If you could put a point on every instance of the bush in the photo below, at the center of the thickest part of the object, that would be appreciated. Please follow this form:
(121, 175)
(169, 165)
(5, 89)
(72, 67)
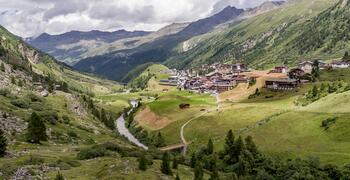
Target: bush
(5, 92)
(65, 119)
(326, 124)
(33, 97)
(72, 134)
(37, 106)
(34, 160)
(21, 103)
(49, 116)
(93, 152)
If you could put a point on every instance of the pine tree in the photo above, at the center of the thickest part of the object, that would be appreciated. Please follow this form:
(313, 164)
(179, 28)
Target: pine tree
(175, 163)
(165, 166)
(215, 174)
(198, 171)
(346, 56)
(143, 163)
(240, 147)
(64, 87)
(316, 69)
(210, 147)
(314, 92)
(251, 147)
(36, 129)
(103, 117)
(193, 160)
(2, 67)
(3, 144)
(59, 176)
(159, 142)
(13, 80)
(229, 148)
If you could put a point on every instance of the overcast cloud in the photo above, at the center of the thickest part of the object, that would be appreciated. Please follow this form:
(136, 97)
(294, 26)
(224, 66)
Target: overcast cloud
(32, 17)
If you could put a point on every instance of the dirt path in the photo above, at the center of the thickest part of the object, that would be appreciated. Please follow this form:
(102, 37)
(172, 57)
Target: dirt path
(183, 139)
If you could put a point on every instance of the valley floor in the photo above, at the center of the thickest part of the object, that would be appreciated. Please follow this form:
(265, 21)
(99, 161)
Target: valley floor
(277, 125)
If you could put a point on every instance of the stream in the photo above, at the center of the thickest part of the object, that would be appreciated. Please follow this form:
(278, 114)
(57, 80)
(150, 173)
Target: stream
(124, 131)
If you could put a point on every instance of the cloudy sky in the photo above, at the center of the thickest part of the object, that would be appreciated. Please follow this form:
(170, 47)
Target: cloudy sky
(32, 17)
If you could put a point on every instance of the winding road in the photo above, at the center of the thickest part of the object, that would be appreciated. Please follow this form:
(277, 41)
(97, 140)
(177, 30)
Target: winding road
(124, 131)
(183, 139)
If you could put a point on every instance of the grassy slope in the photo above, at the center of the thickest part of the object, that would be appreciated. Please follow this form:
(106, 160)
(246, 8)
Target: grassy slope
(62, 148)
(291, 131)
(228, 44)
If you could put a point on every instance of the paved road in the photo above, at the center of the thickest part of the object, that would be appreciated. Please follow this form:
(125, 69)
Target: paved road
(124, 131)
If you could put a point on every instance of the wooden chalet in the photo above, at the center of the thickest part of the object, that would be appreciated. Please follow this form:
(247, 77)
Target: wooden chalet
(283, 84)
(306, 66)
(280, 69)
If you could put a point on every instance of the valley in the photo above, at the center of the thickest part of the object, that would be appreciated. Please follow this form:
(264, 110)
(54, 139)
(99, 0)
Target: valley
(242, 93)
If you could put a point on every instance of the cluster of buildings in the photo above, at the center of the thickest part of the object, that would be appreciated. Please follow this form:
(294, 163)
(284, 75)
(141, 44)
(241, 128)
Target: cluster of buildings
(215, 78)
(218, 78)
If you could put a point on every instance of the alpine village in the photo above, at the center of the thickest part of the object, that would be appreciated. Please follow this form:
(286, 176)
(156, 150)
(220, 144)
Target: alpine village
(224, 90)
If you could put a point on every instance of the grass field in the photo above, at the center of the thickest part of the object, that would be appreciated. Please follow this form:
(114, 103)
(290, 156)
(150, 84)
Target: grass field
(278, 126)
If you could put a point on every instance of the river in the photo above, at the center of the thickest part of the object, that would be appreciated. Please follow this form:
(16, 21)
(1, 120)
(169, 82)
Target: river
(124, 131)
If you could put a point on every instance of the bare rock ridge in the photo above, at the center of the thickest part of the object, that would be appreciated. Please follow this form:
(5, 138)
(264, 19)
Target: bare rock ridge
(344, 3)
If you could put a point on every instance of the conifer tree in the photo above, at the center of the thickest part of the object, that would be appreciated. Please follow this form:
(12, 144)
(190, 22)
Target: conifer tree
(240, 147)
(165, 166)
(346, 56)
(198, 171)
(193, 160)
(143, 163)
(215, 174)
(13, 80)
(250, 145)
(175, 163)
(59, 176)
(314, 91)
(103, 117)
(36, 129)
(3, 144)
(159, 142)
(2, 67)
(210, 147)
(229, 148)
(315, 69)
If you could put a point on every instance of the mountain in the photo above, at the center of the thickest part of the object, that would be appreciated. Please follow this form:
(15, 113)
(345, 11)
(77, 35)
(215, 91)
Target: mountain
(271, 38)
(205, 25)
(69, 46)
(264, 7)
(115, 65)
(130, 43)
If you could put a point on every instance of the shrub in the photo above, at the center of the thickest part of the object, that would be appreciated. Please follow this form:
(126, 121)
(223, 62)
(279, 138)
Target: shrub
(93, 152)
(4, 92)
(326, 124)
(21, 103)
(34, 160)
(37, 106)
(65, 119)
(33, 97)
(72, 134)
(49, 116)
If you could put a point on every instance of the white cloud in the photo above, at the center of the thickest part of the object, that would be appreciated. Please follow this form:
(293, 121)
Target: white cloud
(32, 17)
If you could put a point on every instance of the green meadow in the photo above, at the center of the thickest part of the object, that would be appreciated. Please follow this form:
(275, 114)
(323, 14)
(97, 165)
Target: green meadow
(278, 126)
